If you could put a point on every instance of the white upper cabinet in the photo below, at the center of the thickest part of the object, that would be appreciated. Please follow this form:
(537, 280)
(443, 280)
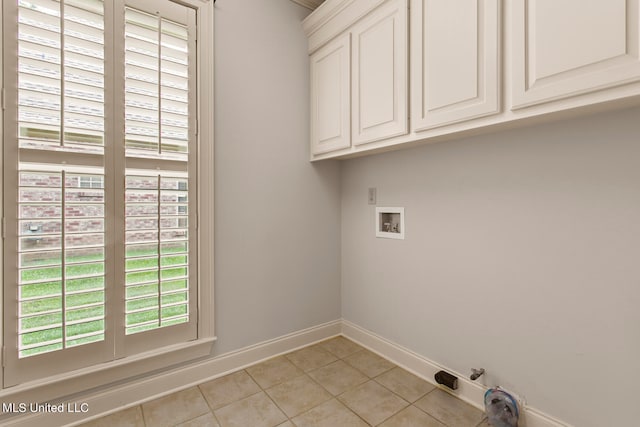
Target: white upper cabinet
(379, 74)
(455, 48)
(330, 97)
(375, 63)
(571, 47)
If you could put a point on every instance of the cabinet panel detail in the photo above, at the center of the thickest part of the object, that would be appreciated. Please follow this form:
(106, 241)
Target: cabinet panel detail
(375, 57)
(379, 78)
(454, 60)
(567, 48)
(330, 97)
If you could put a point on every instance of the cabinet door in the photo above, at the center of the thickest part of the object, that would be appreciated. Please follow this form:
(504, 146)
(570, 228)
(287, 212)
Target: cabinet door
(379, 102)
(454, 61)
(330, 97)
(569, 47)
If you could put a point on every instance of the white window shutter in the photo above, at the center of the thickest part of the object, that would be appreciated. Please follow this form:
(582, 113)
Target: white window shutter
(100, 180)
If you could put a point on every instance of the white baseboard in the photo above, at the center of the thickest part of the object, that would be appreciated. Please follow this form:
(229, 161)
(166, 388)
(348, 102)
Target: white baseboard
(126, 395)
(131, 394)
(468, 390)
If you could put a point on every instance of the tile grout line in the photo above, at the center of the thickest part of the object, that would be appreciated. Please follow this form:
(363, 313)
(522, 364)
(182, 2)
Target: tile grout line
(260, 387)
(264, 390)
(144, 419)
(336, 397)
(275, 403)
(332, 396)
(358, 349)
(369, 379)
(208, 406)
(306, 374)
(358, 385)
(409, 403)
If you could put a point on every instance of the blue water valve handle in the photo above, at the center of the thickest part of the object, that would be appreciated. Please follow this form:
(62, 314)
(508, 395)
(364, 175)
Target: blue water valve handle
(501, 408)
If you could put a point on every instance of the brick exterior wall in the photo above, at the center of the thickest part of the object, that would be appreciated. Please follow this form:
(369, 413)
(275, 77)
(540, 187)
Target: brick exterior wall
(84, 210)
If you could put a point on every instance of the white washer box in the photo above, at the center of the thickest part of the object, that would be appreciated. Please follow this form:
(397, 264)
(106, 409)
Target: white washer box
(390, 222)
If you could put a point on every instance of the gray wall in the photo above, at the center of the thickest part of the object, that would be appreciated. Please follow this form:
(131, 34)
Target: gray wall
(277, 216)
(521, 256)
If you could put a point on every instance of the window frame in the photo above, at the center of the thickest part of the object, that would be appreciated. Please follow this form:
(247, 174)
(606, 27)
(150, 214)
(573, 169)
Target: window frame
(127, 345)
(155, 358)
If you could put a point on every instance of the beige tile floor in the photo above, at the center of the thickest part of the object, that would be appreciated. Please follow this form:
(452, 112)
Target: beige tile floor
(335, 383)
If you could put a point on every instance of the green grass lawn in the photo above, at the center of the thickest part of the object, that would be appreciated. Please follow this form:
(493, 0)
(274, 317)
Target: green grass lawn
(84, 292)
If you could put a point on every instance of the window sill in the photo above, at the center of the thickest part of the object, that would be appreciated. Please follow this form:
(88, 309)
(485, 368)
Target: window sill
(69, 383)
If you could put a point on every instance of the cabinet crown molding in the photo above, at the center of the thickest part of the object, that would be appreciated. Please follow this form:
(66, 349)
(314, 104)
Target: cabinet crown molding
(333, 17)
(309, 4)
(320, 16)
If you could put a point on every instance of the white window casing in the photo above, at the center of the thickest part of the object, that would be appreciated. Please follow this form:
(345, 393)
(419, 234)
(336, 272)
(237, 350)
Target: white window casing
(108, 214)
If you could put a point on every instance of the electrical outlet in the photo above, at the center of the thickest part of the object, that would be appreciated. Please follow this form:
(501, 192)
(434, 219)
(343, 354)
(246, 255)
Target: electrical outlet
(372, 196)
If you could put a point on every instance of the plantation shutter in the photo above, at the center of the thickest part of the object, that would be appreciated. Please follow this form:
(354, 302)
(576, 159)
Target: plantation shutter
(99, 182)
(159, 115)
